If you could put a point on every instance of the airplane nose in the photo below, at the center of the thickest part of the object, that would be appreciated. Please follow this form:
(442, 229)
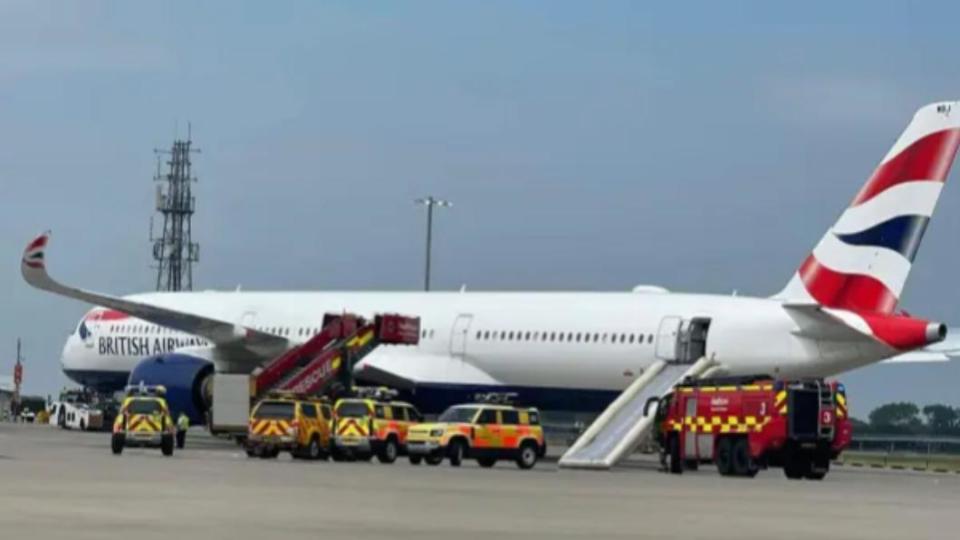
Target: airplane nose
(67, 357)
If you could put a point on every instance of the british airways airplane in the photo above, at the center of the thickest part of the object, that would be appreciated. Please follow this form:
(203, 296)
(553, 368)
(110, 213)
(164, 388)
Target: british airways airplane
(567, 351)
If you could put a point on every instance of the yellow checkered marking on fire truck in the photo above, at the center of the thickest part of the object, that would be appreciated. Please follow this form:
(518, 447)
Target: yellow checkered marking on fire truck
(841, 405)
(730, 424)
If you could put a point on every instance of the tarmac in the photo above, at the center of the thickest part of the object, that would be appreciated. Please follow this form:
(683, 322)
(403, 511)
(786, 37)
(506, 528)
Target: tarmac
(61, 484)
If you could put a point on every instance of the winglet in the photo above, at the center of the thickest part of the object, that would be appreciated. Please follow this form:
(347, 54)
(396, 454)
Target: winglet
(33, 265)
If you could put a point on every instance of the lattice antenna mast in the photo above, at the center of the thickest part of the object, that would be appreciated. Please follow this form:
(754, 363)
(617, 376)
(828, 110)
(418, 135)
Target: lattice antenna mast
(175, 251)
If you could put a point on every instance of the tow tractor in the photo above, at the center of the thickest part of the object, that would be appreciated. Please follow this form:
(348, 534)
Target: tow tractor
(748, 423)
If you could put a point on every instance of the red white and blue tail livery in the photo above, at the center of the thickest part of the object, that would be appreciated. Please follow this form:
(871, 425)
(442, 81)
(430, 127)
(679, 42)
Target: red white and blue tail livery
(861, 265)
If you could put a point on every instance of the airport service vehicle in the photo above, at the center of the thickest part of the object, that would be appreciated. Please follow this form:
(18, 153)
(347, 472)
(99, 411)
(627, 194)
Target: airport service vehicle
(144, 420)
(484, 431)
(76, 410)
(296, 424)
(579, 351)
(746, 424)
(374, 425)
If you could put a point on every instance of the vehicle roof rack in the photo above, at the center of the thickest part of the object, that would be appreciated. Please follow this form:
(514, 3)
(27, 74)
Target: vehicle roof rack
(496, 398)
(142, 389)
(379, 393)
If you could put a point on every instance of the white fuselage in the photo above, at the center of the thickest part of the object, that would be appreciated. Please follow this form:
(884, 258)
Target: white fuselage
(590, 341)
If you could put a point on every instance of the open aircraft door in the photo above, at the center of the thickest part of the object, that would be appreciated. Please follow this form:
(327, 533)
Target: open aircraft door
(666, 346)
(459, 335)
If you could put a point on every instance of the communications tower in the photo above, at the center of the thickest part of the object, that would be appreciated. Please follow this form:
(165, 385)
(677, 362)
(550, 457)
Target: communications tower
(174, 250)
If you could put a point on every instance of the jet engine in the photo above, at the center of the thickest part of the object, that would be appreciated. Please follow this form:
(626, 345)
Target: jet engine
(186, 378)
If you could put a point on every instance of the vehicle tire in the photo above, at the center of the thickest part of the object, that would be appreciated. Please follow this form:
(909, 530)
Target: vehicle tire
(674, 461)
(251, 452)
(434, 459)
(312, 452)
(415, 459)
(388, 453)
(527, 457)
(166, 445)
(456, 452)
(487, 462)
(116, 443)
(794, 464)
(817, 468)
(743, 463)
(725, 456)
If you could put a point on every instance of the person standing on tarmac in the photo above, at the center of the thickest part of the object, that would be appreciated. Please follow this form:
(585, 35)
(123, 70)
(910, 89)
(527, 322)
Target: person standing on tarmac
(183, 422)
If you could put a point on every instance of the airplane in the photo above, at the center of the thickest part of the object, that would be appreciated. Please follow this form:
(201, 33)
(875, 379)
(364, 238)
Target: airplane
(573, 351)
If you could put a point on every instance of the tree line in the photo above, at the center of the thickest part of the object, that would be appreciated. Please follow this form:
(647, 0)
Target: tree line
(903, 417)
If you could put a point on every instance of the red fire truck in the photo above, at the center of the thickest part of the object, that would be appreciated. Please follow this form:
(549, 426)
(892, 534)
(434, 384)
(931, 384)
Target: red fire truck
(747, 423)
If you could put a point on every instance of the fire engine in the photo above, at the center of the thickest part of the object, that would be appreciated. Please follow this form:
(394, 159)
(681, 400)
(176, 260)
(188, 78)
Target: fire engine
(745, 424)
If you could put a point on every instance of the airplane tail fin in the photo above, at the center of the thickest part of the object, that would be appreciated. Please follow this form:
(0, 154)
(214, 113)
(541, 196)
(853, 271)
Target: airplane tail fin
(862, 263)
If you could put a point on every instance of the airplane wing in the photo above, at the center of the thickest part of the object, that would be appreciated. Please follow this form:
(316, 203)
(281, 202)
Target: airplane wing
(223, 334)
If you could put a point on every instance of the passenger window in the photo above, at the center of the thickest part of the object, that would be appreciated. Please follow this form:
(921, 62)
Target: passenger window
(487, 416)
(379, 412)
(509, 417)
(534, 418)
(414, 415)
(309, 410)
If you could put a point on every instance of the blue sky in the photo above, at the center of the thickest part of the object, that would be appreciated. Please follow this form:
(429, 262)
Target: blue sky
(587, 145)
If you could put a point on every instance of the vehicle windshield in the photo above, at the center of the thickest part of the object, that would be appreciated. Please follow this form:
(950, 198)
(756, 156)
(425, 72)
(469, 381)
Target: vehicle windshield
(144, 406)
(352, 409)
(275, 409)
(458, 414)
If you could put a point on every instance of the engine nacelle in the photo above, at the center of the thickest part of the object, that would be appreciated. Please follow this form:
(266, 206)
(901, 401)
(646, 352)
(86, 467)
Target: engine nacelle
(186, 379)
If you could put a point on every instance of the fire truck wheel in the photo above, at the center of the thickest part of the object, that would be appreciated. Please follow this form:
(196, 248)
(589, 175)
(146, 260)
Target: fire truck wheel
(528, 455)
(116, 443)
(456, 452)
(166, 445)
(674, 461)
(388, 453)
(743, 464)
(415, 459)
(486, 462)
(794, 464)
(817, 468)
(725, 456)
(251, 452)
(434, 460)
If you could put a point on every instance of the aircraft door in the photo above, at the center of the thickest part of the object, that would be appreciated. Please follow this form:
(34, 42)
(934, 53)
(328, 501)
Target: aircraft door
(682, 341)
(666, 347)
(459, 334)
(249, 319)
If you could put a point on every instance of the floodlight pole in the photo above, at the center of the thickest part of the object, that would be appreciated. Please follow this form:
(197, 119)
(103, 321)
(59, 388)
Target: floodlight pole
(430, 202)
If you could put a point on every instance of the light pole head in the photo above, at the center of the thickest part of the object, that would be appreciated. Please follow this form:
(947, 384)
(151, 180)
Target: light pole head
(433, 201)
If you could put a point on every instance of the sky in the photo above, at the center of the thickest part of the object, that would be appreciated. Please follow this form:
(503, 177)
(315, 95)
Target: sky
(585, 146)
